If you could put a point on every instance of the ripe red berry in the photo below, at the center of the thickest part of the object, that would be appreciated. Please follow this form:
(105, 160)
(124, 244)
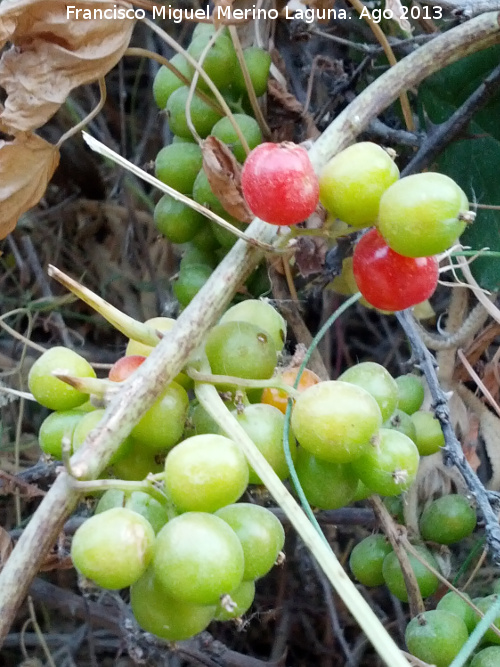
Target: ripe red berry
(389, 281)
(124, 367)
(279, 183)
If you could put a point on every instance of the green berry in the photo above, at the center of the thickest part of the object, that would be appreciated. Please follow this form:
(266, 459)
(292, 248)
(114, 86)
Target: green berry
(448, 519)
(178, 222)
(166, 81)
(436, 637)
(367, 559)
(51, 392)
(177, 165)
(249, 127)
(420, 215)
(203, 116)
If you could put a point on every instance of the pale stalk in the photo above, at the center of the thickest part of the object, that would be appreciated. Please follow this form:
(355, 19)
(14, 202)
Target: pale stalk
(354, 601)
(127, 325)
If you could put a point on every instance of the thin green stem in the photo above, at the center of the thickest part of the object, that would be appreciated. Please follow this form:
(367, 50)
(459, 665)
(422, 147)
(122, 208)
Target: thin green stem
(286, 429)
(477, 634)
(272, 383)
(473, 253)
(122, 485)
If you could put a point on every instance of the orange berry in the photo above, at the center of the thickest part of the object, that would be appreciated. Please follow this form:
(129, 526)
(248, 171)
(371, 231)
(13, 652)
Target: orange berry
(279, 398)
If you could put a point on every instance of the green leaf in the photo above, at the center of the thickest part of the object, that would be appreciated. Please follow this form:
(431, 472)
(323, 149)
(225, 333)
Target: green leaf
(474, 163)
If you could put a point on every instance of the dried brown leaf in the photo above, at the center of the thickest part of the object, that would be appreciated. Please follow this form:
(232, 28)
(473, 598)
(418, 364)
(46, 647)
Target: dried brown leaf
(310, 255)
(224, 175)
(5, 546)
(397, 11)
(311, 250)
(11, 482)
(26, 166)
(292, 108)
(54, 561)
(51, 54)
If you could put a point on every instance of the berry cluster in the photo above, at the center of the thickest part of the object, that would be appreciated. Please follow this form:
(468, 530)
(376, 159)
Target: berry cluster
(179, 164)
(415, 218)
(191, 553)
(434, 636)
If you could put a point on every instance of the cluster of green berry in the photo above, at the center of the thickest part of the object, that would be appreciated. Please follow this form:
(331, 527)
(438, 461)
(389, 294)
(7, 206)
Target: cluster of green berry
(180, 164)
(193, 554)
(415, 218)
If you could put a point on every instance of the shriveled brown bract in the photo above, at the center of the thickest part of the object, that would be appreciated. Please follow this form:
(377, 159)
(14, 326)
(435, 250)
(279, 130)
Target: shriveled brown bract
(224, 175)
(26, 166)
(50, 55)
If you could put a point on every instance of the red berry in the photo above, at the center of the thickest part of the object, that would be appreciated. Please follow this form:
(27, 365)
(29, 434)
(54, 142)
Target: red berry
(389, 281)
(124, 367)
(279, 183)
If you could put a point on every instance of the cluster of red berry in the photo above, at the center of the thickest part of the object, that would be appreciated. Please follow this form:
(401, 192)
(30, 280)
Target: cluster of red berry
(415, 218)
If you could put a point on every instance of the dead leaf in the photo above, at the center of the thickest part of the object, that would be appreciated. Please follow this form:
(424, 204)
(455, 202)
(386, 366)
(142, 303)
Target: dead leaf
(310, 255)
(51, 54)
(26, 166)
(397, 10)
(224, 175)
(292, 107)
(311, 250)
(54, 561)
(5, 546)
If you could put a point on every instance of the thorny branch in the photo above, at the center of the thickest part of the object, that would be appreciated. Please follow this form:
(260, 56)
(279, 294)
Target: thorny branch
(443, 134)
(452, 451)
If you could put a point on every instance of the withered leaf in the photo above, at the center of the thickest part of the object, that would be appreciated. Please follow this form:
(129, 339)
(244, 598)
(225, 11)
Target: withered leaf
(290, 104)
(54, 561)
(5, 546)
(26, 166)
(311, 250)
(310, 255)
(224, 175)
(51, 54)
(396, 9)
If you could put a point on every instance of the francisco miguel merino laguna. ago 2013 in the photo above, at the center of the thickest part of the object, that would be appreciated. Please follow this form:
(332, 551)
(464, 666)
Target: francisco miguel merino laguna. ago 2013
(177, 15)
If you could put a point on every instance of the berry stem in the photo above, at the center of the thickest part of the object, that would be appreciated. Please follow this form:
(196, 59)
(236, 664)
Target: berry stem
(200, 71)
(273, 383)
(194, 83)
(477, 634)
(85, 121)
(375, 631)
(144, 53)
(87, 385)
(286, 427)
(122, 485)
(266, 132)
(393, 534)
(100, 148)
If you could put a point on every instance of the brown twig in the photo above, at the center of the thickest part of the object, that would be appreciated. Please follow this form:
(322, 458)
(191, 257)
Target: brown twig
(396, 537)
